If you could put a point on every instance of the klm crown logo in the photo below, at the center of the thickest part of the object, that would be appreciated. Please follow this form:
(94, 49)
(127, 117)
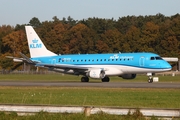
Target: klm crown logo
(35, 44)
(35, 41)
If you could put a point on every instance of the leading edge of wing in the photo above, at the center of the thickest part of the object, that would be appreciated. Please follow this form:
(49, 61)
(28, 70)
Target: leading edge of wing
(62, 66)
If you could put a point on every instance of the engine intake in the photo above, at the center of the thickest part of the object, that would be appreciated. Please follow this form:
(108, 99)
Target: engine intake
(96, 73)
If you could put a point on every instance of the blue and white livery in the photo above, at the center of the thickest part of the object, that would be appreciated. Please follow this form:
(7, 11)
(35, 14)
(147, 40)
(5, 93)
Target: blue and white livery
(99, 66)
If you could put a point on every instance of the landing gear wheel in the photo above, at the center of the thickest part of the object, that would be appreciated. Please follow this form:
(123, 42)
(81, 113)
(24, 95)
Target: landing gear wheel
(84, 79)
(150, 77)
(150, 80)
(105, 79)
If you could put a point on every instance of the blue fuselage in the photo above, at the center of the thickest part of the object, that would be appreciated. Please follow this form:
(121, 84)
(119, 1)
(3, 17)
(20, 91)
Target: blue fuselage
(125, 62)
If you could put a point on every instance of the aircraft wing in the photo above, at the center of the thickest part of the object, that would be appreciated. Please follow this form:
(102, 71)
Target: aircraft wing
(62, 66)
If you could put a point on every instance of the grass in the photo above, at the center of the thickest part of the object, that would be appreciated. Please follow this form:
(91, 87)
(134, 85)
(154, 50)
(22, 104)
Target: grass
(38, 77)
(74, 96)
(68, 96)
(62, 77)
(65, 116)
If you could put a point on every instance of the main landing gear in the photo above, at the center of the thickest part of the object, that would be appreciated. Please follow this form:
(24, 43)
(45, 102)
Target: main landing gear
(105, 79)
(150, 77)
(86, 79)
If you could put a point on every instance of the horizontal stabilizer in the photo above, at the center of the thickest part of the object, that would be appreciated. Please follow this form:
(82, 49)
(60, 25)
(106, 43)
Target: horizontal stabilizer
(16, 59)
(27, 59)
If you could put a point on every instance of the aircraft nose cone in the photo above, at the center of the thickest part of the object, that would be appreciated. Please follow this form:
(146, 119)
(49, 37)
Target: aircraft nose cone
(167, 66)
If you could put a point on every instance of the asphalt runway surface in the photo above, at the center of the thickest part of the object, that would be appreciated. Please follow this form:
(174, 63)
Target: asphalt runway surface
(92, 84)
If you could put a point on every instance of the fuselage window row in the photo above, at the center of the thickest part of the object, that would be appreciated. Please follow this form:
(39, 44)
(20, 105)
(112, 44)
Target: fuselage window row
(92, 60)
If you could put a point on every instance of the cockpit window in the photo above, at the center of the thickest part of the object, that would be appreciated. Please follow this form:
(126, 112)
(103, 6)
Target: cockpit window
(156, 58)
(152, 58)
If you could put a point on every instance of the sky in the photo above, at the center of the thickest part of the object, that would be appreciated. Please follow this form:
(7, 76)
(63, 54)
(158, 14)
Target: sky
(14, 12)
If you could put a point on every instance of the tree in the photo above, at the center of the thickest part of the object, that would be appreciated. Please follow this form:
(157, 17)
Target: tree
(5, 63)
(150, 36)
(133, 39)
(15, 42)
(71, 21)
(19, 27)
(113, 38)
(170, 43)
(100, 26)
(101, 47)
(81, 39)
(56, 38)
(35, 22)
(4, 30)
(55, 19)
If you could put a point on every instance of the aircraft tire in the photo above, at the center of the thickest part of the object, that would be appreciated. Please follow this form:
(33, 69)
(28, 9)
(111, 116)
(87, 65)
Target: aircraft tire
(84, 79)
(150, 80)
(105, 79)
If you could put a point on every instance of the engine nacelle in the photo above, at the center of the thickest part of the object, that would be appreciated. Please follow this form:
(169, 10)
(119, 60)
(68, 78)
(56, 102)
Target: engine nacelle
(96, 73)
(128, 76)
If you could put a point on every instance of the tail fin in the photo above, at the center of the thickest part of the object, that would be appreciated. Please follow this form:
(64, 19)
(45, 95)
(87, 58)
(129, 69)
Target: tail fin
(36, 46)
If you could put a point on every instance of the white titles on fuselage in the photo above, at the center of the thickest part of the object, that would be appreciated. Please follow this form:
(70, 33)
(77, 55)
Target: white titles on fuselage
(116, 56)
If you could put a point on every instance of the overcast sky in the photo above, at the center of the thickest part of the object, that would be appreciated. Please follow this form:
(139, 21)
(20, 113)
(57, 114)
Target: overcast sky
(14, 12)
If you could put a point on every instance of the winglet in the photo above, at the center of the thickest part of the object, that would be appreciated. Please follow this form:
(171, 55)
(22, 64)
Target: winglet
(36, 46)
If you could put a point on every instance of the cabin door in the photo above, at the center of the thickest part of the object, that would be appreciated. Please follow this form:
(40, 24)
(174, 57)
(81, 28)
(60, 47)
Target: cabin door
(141, 61)
(53, 61)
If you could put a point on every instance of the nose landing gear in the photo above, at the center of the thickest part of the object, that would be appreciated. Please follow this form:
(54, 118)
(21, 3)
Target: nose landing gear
(150, 77)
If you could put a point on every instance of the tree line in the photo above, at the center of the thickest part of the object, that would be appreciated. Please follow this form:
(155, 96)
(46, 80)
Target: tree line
(154, 33)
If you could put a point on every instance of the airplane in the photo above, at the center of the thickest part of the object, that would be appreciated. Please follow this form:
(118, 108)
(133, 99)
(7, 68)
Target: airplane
(97, 66)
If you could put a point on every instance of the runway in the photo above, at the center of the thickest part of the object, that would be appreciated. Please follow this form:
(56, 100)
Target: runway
(91, 84)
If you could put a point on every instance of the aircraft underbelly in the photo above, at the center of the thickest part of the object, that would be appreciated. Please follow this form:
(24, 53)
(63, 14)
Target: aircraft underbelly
(128, 69)
(113, 71)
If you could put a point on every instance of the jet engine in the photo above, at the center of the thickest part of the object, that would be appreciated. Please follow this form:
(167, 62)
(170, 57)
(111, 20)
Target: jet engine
(96, 73)
(128, 76)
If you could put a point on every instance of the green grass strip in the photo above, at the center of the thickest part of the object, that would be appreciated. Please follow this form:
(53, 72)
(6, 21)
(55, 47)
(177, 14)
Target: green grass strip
(62, 77)
(74, 96)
